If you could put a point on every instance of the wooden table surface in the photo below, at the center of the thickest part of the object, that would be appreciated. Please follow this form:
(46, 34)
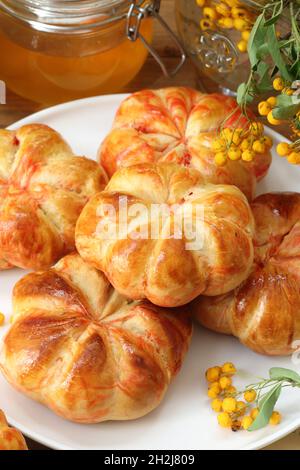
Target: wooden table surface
(150, 76)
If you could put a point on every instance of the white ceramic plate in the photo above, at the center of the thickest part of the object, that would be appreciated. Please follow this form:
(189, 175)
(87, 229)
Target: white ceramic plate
(184, 419)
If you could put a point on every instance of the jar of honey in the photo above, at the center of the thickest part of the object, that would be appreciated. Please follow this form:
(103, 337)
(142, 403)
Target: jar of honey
(59, 50)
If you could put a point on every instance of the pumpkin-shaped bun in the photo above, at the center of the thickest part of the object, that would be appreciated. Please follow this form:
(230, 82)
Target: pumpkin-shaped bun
(85, 351)
(264, 311)
(178, 124)
(43, 188)
(149, 257)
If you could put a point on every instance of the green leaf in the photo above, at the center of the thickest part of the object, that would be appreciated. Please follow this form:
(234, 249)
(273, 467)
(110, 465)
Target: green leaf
(275, 53)
(275, 16)
(279, 373)
(242, 94)
(266, 407)
(264, 83)
(286, 106)
(257, 38)
(263, 51)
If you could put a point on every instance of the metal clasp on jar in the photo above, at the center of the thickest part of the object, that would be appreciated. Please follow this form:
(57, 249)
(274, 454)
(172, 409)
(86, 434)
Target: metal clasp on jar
(137, 12)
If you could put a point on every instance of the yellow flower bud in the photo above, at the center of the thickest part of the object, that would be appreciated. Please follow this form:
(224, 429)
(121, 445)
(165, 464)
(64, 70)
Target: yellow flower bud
(264, 108)
(242, 45)
(246, 144)
(234, 154)
(272, 120)
(287, 91)
(224, 420)
(278, 84)
(226, 23)
(236, 136)
(258, 146)
(294, 158)
(246, 35)
(2, 319)
(256, 128)
(223, 9)
(231, 390)
(228, 368)
(268, 141)
(246, 422)
(214, 391)
(241, 407)
(206, 24)
(250, 395)
(254, 413)
(213, 374)
(283, 149)
(220, 158)
(272, 101)
(210, 13)
(226, 134)
(219, 145)
(275, 418)
(239, 12)
(229, 405)
(240, 24)
(248, 155)
(225, 382)
(216, 405)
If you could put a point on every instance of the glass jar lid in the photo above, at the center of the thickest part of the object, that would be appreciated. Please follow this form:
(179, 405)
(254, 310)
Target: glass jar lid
(85, 16)
(67, 15)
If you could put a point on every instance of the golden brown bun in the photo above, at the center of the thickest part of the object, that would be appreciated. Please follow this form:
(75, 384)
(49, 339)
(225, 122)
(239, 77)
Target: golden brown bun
(10, 438)
(264, 312)
(87, 352)
(43, 188)
(163, 269)
(178, 124)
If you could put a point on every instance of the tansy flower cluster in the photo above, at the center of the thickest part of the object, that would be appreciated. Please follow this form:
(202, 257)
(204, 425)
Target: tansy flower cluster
(227, 14)
(265, 108)
(241, 143)
(232, 412)
(290, 152)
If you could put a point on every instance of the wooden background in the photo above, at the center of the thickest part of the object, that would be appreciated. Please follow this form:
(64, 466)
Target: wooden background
(150, 76)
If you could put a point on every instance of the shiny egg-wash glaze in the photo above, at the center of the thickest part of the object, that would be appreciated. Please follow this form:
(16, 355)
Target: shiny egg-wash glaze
(10, 438)
(264, 312)
(179, 124)
(88, 353)
(43, 188)
(164, 269)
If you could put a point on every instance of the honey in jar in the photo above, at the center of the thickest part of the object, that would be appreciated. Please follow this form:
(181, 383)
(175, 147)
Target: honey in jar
(54, 51)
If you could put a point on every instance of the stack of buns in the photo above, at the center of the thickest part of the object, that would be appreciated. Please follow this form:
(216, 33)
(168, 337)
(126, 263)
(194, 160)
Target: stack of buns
(100, 334)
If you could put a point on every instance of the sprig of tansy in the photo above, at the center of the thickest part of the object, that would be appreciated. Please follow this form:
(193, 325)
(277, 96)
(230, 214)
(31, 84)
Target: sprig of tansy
(256, 410)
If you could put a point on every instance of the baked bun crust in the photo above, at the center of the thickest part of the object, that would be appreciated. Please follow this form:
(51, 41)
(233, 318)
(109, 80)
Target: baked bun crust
(264, 311)
(158, 265)
(43, 188)
(88, 353)
(178, 124)
(10, 438)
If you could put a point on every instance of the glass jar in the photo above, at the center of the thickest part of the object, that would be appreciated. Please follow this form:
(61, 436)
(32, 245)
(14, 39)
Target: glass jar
(59, 50)
(216, 43)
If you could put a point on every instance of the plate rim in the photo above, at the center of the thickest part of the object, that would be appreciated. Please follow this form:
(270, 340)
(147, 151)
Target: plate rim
(63, 107)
